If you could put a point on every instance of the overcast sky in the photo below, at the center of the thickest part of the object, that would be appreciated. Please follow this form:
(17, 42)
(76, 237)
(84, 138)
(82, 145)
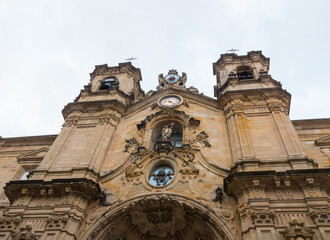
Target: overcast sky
(48, 49)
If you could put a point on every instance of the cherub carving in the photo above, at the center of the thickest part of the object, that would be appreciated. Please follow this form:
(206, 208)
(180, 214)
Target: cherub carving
(201, 136)
(201, 141)
(131, 146)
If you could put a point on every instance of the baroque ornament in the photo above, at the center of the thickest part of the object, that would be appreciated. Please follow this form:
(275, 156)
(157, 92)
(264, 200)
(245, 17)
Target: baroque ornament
(172, 79)
(131, 146)
(26, 233)
(158, 216)
(297, 230)
(200, 141)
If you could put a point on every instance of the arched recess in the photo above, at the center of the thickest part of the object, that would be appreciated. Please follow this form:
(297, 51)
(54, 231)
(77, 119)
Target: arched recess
(152, 126)
(177, 130)
(159, 217)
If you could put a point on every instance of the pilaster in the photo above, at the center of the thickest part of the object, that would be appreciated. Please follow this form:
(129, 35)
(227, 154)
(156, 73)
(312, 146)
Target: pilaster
(82, 144)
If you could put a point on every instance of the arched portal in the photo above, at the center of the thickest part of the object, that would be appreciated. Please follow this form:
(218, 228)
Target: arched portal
(159, 217)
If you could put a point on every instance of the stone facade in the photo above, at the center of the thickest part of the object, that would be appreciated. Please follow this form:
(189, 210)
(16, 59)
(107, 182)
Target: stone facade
(171, 164)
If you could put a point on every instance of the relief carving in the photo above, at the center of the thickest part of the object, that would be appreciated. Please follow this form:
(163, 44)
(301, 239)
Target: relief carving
(297, 231)
(88, 117)
(201, 141)
(283, 188)
(131, 146)
(259, 217)
(182, 186)
(9, 223)
(243, 210)
(262, 217)
(225, 210)
(257, 191)
(57, 221)
(179, 83)
(185, 155)
(311, 189)
(157, 217)
(321, 217)
(26, 233)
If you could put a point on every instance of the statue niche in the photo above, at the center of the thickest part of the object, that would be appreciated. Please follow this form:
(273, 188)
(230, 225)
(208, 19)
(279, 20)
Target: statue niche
(167, 132)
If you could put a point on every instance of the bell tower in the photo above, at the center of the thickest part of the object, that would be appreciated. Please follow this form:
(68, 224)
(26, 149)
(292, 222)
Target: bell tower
(253, 102)
(119, 82)
(90, 122)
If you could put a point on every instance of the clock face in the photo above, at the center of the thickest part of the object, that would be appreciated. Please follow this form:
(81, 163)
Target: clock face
(170, 101)
(172, 78)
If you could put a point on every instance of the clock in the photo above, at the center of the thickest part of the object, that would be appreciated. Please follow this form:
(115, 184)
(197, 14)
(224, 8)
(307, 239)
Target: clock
(172, 78)
(170, 101)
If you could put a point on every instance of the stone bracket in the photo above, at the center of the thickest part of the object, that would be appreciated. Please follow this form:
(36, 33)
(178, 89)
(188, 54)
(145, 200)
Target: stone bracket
(82, 187)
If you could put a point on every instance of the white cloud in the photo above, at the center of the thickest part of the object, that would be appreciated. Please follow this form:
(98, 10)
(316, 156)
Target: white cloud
(48, 49)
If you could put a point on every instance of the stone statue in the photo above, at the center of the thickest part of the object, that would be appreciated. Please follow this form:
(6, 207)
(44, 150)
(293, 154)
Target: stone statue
(167, 132)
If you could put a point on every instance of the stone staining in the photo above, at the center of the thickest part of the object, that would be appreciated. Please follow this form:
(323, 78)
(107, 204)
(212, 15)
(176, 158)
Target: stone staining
(172, 164)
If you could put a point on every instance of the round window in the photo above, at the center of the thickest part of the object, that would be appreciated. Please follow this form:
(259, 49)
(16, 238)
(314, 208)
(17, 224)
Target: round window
(161, 175)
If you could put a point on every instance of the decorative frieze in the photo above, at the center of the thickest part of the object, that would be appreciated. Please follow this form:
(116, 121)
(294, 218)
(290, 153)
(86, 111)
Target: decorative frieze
(262, 217)
(57, 221)
(308, 180)
(18, 190)
(81, 119)
(259, 216)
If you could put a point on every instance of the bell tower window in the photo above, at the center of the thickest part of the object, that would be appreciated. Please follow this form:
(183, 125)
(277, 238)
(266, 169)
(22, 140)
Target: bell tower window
(108, 83)
(244, 72)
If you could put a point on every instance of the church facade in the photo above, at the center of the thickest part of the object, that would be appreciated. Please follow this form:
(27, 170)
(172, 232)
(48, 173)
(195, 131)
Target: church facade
(171, 164)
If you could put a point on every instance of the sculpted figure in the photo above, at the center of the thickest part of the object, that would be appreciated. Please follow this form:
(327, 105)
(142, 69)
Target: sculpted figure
(131, 146)
(201, 136)
(167, 131)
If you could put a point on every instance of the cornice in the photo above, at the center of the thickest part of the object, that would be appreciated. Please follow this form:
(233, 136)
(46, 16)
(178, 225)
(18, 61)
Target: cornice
(82, 187)
(186, 94)
(112, 91)
(235, 183)
(105, 69)
(28, 140)
(267, 93)
(317, 123)
(232, 57)
(93, 106)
